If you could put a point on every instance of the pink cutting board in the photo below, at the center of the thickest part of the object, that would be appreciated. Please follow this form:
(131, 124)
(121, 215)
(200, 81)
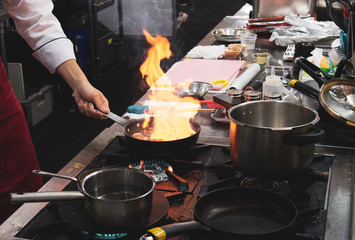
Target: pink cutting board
(203, 70)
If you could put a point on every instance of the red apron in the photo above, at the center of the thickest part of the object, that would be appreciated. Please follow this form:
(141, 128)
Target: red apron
(17, 154)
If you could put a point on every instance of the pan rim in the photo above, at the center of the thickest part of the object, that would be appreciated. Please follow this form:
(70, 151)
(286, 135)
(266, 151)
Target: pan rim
(192, 121)
(236, 108)
(84, 180)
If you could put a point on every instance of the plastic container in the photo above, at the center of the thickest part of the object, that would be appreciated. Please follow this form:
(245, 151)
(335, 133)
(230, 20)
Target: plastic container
(262, 59)
(248, 40)
(38, 106)
(233, 53)
(272, 88)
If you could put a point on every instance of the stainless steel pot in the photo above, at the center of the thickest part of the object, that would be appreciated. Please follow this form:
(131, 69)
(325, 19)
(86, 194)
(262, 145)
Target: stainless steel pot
(272, 139)
(114, 197)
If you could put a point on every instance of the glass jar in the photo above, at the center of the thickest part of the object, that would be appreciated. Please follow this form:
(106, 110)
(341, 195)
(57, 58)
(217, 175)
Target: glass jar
(252, 95)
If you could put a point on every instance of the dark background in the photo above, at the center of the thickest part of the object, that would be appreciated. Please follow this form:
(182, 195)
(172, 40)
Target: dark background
(64, 133)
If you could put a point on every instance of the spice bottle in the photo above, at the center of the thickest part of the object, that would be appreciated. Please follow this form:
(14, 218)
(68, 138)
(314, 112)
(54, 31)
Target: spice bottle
(251, 95)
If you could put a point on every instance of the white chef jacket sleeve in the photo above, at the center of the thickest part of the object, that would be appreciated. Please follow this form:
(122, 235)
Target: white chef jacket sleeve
(41, 30)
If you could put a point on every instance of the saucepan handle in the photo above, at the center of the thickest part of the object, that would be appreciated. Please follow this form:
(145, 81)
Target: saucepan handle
(38, 172)
(170, 230)
(23, 197)
(313, 135)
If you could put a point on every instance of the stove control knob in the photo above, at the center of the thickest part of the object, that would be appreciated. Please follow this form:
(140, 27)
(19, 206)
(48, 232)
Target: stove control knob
(146, 237)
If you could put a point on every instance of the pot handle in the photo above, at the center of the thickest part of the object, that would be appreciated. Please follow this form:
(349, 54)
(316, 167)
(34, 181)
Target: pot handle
(313, 135)
(23, 197)
(305, 89)
(314, 71)
(163, 232)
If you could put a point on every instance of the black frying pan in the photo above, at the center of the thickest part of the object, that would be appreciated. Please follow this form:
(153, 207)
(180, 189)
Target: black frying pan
(159, 148)
(238, 213)
(150, 147)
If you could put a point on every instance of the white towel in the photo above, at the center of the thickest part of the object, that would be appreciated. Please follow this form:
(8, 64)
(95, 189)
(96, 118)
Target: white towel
(206, 52)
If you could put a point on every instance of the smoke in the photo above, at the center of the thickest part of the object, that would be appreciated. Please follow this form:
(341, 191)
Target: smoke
(156, 16)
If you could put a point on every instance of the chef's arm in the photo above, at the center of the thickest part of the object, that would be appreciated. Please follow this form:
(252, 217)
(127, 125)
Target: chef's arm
(86, 96)
(42, 31)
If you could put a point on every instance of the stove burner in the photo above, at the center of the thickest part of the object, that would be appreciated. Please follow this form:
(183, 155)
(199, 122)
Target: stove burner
(107, 236)
(156, 168)
(281, 187)
(74, 214)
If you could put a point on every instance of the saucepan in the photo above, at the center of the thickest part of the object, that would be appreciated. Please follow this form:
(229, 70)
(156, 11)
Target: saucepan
(114, 197)
(237, 213)
(138, 137)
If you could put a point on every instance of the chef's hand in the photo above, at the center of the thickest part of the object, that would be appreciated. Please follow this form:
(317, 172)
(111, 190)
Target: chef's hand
(86, 96)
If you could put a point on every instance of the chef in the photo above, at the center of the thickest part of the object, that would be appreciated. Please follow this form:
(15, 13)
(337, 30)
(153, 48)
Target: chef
(42, 31)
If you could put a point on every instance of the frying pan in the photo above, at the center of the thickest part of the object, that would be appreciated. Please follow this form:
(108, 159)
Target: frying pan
(237, 213)
(113, 197)
(336, 96)
(154, 148)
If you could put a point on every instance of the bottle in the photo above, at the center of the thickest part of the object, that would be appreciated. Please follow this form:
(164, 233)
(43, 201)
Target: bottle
(272, 87)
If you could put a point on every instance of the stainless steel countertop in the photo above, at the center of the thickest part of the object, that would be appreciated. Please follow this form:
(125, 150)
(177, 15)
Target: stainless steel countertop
(340, 208)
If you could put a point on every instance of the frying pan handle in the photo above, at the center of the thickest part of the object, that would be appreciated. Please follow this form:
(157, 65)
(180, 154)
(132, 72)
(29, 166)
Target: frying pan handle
(23, 197)
(138, 109)
(163, 232)
(305, 89)
(120, 120)
(311, 136)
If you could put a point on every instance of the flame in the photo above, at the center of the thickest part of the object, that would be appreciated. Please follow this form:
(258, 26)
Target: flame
(141, 163)
(170, 122)
(170, 168)
(160, 49)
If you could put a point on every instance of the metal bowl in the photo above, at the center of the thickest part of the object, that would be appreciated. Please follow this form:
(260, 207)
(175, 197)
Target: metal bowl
(228, 34)
(193, 89)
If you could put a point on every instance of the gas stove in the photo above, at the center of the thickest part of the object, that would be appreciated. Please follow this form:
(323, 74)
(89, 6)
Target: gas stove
(181, 180)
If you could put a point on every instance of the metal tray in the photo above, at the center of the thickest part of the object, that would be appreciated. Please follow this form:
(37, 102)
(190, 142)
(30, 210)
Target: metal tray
(228, 34)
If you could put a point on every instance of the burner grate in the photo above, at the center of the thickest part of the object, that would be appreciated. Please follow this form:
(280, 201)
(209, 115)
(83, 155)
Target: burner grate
(196, 172)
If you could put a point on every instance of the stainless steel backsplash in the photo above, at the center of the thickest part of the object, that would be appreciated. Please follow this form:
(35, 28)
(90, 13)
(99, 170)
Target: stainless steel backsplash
(271, 8)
